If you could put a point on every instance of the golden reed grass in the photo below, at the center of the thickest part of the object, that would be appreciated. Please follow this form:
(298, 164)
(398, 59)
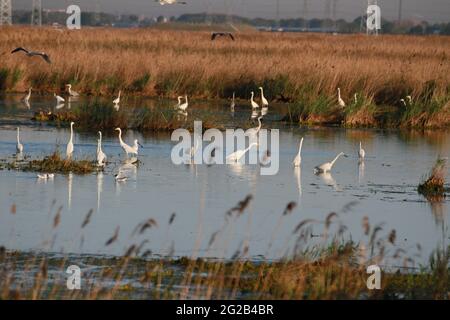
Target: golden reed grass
(169, 63)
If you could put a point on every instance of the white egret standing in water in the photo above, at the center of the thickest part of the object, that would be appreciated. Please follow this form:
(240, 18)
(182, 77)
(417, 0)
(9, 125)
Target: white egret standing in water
(236, 156)
(326, 167)
(361, 152)
(233, 103)
(69, 149)
(101, 156)
(19, 147)
(27, 97)
(254, 104)
(340, 100)
(298, 158)
(264, 101)
(128, 149)
(179, 101)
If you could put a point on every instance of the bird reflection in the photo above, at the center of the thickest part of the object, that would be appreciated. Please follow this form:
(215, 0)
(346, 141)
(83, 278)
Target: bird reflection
(69, 190)
(361, 169)
(298, 175)
(329, 180)
(69, 102)
(264, 111)
(59, 106)
(255, 114)
(99, 189)
(182, 115)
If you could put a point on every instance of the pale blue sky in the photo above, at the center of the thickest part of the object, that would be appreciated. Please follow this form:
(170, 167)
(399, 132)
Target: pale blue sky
(431, 10)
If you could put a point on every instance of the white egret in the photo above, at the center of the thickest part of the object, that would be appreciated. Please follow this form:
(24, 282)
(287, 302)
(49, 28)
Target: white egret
(101, 156)
(120, 176)
(117, 100)
(264, 101)
(27, 97)
(326, 167)
(69, 150)
(298, 158)
(254, 104)
(59, 99)
(128, 150)
(255, 131)
(236, 156)
(340, 100)
(46, 176)
(19, 147)
(179, 102)
(184, 106)
(403, 102)
(233, 103)
(355, 97)
(71, 92)
(361, 152)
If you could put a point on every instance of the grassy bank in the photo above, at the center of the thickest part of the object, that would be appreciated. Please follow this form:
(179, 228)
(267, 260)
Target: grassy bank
(304, 69)
(332, 268)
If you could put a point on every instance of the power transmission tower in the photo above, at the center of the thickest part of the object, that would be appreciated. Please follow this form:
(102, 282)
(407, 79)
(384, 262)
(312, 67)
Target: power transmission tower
(278, 14)
(36, 13)
(5, 12)
(327, 16)
(368, 31)
(305, 15)
(400, 9)
(334, 15)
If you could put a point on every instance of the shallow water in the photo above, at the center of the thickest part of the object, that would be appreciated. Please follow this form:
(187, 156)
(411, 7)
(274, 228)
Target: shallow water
(384, 190)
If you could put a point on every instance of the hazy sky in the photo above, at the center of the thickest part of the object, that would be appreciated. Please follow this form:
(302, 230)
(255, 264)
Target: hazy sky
(431, 10)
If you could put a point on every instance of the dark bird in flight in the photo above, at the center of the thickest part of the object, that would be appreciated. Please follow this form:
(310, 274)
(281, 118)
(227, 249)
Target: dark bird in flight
(33, 53)
(214, 35)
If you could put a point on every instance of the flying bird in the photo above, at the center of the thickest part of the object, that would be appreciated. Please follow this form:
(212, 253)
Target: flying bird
(214, 35)
(163, 2)
(28, 53)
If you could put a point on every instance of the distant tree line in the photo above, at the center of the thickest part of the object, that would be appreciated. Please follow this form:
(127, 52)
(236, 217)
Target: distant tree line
(299, 24)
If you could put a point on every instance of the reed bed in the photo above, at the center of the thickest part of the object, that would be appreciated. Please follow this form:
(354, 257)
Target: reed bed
(335, 268)
(304, 69)
(433, 186)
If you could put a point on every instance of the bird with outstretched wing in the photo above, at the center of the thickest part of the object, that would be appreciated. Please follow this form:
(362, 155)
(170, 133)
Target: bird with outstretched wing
(29, 53)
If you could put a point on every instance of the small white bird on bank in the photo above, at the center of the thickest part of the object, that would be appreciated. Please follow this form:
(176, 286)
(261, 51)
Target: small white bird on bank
(340, 100)
(236, 156)
(120, 177)
(59, 100)
(185, 105)
(134, 150)
(326, 167)
(164, 2)
(298, 158)
(71, 92)
(69, 149)
(101, 156)
(264, 101)
(361, 152)
(254, 104)
(19, 146)
(117, 100)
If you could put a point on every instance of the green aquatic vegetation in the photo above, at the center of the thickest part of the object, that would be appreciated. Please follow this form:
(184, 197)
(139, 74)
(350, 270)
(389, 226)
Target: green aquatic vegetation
(54, 163)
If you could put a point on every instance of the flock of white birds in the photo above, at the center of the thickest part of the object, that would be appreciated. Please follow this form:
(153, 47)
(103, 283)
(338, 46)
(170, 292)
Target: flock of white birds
(182, 107)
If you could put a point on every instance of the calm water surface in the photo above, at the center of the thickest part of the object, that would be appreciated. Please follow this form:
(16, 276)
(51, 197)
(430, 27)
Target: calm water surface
(383, 189)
